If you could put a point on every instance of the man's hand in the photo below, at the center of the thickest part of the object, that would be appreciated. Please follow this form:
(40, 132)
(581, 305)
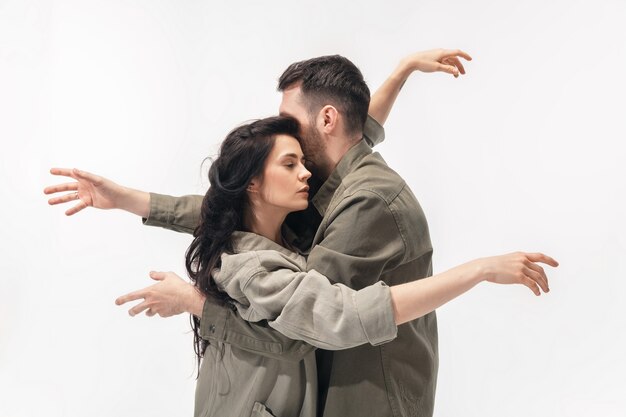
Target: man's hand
(436, 60)
(91, 190)
(169, 297)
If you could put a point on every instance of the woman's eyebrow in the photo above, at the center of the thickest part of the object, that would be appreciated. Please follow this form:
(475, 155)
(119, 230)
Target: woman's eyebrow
(291, 155)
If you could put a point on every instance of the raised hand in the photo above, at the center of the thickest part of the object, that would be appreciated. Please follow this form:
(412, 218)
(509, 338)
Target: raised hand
(437, 60)
(170, 296)
(92, 190)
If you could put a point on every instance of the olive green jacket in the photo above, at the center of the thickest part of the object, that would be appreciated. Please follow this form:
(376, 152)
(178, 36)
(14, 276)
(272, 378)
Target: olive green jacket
(262, 277)
(363, 225)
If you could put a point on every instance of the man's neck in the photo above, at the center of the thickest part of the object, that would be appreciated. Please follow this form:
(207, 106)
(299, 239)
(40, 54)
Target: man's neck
(334, 154)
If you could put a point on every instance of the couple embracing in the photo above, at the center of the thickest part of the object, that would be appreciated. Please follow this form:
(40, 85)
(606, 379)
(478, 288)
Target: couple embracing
(312, 291)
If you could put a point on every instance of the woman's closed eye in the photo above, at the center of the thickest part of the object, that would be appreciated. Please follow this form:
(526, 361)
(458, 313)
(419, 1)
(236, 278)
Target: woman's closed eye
(291, 161)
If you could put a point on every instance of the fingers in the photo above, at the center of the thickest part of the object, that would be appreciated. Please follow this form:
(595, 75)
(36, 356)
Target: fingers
(67, 198)
(88, 176)
(540, 257)
(66, 172)
(76, 174)
(450, 57)
(68, 186)
(450, 69)
(538, 278)
(463, 54)
(64, 198)
(131, 296)
(456, 62)
(159, 276)
(78, 207)
(143, 294)
(139, 308)
(455, 53)
(538, 269)
(532, 285)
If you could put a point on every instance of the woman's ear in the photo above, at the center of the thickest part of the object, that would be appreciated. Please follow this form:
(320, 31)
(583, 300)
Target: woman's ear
(253, 187)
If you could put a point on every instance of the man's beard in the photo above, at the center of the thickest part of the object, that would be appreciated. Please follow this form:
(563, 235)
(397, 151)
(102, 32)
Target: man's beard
(314, 152)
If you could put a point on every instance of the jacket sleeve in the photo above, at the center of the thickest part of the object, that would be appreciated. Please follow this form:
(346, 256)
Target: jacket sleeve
(373, 132)
(306, 305)
(354, 259)
(222, 323)
(181, 214)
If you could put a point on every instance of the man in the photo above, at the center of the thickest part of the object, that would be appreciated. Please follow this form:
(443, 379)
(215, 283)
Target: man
(363, 225)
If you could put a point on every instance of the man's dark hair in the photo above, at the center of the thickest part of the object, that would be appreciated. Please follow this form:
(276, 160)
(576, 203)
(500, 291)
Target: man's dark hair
(333, 80)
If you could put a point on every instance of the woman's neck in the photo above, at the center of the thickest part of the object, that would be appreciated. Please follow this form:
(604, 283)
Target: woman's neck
(265, 222)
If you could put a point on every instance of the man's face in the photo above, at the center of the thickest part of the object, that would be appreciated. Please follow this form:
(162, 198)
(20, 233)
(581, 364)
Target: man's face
(293, 105)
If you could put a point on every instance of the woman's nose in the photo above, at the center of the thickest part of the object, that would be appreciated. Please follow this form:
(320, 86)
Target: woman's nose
(305, 174)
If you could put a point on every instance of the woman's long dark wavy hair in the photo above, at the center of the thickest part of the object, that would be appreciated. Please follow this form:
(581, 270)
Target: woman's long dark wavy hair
(241, 158)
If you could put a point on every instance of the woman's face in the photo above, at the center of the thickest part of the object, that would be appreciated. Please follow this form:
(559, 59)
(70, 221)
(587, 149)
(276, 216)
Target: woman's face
(283, 184)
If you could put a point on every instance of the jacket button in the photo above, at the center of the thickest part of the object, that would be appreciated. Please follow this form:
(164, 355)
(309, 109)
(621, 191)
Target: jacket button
(212, 328)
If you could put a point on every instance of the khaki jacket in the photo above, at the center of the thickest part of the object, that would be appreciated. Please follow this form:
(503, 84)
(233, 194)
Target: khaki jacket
(363, 225)
(262, 277)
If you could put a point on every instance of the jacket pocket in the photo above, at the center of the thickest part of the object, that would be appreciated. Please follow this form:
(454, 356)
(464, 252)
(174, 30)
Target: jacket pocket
(260, 410)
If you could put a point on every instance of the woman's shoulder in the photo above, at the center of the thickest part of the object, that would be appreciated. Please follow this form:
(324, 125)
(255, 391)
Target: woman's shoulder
(253, 253)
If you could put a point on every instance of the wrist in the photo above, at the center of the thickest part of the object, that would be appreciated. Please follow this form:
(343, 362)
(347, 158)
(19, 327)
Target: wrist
(403, 70)
(134, 201)
(195, 301)
(480, 270)
(475, 272)
(124, 198)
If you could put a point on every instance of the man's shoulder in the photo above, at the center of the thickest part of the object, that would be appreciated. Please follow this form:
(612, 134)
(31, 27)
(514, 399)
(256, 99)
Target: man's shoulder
(374, 186)
(371, 175)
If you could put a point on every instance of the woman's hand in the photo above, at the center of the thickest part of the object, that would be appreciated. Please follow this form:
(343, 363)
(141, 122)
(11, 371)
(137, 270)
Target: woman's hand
(517, 268)
(91, 190)
(170, 296)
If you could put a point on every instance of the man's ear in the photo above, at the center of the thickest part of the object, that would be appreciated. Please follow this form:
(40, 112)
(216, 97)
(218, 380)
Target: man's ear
(329, 118)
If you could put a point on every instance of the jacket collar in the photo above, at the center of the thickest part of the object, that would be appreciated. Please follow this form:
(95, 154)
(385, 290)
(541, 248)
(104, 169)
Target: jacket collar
(324, 195)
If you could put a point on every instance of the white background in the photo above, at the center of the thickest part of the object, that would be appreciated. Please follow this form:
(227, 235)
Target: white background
(525, 152)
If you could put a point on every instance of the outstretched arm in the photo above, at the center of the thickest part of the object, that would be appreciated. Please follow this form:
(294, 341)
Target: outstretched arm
(306, 306)
(418, 298)
(180, 214)
(321, 313)
(435, 60)
(90, 190)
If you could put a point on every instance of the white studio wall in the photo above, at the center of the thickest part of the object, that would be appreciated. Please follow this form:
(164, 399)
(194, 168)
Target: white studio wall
(523, 153)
